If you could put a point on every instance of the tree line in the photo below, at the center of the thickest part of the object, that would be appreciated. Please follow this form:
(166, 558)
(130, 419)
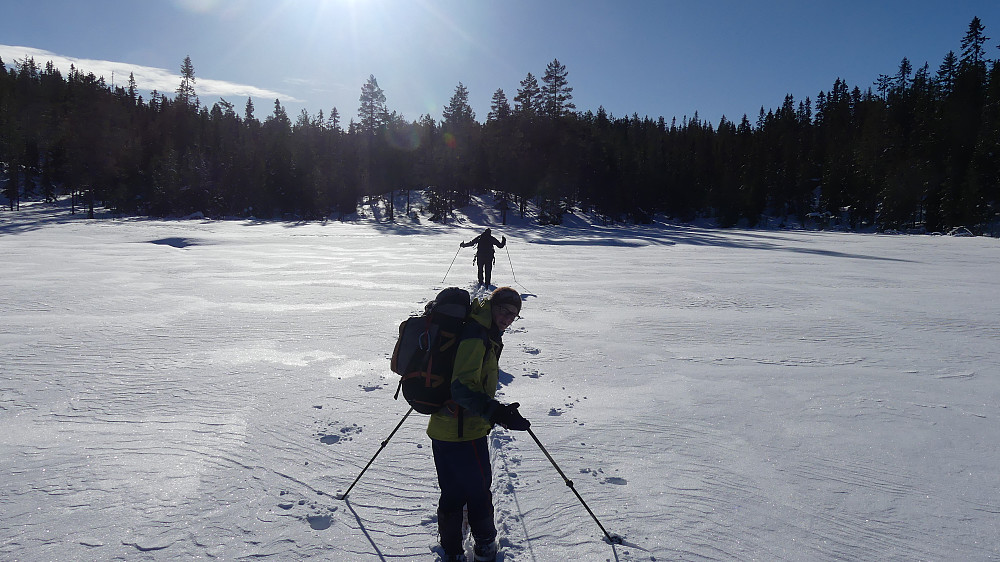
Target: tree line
(918, 149)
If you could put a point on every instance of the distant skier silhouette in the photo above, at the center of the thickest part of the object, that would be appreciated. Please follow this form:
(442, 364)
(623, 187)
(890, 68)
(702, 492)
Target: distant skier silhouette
(485, 255)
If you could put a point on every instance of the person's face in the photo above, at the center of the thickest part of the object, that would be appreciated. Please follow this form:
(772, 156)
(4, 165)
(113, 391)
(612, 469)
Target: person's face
(504, 315)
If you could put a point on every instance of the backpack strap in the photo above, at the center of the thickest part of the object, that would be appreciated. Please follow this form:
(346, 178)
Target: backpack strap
(471, 330)
(457, 412)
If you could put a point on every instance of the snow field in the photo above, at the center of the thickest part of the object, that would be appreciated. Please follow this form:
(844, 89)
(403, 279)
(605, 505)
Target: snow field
(175, 390)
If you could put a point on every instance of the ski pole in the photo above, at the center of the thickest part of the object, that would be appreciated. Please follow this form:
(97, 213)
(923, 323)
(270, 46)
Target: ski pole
(384, 443)
(512, 270)
(452, 263)
(613, 539)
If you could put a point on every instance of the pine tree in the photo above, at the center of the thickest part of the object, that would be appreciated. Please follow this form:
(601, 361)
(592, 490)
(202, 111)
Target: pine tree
(374, 118)
(373, 112)
(973, 53)
(556, 93)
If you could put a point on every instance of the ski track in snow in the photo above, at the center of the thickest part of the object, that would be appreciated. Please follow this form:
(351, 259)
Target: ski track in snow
(180, 390)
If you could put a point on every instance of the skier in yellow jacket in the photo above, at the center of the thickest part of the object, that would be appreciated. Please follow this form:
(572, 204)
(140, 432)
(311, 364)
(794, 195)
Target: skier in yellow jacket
(458, 434)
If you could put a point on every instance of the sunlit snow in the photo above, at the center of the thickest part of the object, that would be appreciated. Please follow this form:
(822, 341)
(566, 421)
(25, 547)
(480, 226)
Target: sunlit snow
(181, 390)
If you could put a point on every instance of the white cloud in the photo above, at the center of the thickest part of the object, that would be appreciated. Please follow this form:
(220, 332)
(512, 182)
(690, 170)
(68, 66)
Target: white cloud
(146, 77)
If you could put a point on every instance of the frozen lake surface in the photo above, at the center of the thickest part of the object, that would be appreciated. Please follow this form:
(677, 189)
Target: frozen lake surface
(181, 390)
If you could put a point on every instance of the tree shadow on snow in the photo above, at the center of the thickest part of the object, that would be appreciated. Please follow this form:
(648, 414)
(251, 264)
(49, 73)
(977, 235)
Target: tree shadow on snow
(670, 235)
(35, 215)
(175, 242)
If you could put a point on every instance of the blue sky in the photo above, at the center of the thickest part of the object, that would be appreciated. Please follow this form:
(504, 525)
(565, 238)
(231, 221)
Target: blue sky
(657, 58)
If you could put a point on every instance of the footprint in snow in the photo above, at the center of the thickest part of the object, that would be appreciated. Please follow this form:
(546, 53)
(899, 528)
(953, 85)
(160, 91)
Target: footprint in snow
(616, 480)
(344, 434)
(319, 522)
(530, 350)
(289, 503)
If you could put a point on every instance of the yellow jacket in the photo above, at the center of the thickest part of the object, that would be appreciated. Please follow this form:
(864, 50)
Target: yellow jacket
(474, 380)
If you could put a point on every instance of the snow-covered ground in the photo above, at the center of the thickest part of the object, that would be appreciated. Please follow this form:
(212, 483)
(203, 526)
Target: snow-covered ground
(182, 390)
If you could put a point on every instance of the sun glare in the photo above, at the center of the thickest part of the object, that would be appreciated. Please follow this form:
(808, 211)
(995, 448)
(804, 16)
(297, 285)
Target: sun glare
(198, 6)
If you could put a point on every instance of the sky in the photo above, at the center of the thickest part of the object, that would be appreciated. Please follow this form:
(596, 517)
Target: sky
(652, 58)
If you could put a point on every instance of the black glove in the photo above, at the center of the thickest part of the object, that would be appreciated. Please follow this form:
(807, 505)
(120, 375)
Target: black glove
(508, 416)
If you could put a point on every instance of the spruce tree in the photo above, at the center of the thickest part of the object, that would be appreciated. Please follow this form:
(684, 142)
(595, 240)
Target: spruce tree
(186, 95)
(461, 145)
(946, 74)
(132, 88)
(528, 100)
(248, 110)
(499, 107)
(458, 112)
(333, 121)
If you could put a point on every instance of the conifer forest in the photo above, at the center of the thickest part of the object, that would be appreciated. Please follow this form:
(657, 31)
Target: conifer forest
(916, 150)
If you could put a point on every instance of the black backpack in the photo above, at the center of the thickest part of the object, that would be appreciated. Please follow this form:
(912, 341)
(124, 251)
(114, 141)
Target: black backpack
(425, 351)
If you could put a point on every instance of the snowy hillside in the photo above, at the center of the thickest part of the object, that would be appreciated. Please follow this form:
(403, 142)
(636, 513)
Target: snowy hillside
(181, 390)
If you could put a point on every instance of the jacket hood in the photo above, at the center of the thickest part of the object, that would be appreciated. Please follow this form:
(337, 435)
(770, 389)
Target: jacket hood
(482, 313)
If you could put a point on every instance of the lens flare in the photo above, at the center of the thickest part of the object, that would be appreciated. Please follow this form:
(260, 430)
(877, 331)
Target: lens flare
(405, 138)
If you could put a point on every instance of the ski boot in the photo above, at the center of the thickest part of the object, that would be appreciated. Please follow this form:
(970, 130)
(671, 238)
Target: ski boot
(486, 552)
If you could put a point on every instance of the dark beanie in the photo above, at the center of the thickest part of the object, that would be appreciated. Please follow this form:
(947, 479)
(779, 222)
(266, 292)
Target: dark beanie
(506, 295)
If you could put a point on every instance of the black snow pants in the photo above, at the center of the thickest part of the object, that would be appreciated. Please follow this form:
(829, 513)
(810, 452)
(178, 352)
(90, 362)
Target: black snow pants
(485, 263)
(465, 478)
